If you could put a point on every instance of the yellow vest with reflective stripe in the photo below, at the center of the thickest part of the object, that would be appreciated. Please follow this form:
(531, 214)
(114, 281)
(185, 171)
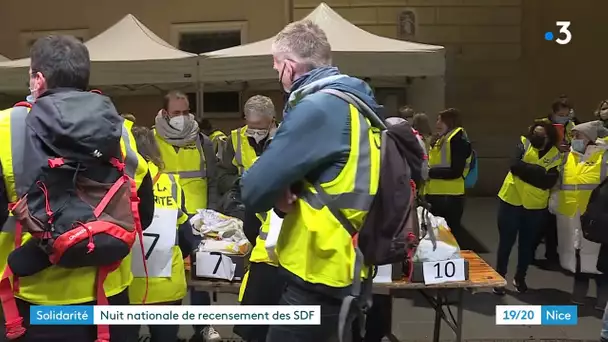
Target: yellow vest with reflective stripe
(56, 285)
(259, 253)
(579, 178)
(440, 156)
(132, 158)
(160, 289)
(516, 192)
(244, 154)
(313, 245)
(216, 137)
(189, 164)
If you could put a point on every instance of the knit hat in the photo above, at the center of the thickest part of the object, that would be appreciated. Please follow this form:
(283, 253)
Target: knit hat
(591, 129)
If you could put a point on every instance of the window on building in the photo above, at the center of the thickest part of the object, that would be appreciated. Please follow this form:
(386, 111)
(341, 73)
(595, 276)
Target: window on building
(27, 39)
(391, 99)
(32, 41)
(202, 42)
(206, 37)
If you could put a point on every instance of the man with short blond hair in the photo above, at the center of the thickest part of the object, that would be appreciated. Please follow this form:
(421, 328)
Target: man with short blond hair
(246, 143)
(322, 143)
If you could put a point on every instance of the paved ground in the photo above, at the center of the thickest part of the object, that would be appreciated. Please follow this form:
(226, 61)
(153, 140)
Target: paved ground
(413, 319)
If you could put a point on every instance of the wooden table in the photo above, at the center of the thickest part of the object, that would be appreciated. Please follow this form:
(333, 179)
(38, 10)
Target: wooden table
(481, 275)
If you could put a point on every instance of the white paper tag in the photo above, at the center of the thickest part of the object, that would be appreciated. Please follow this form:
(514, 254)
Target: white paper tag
(384, 274)
(273, 234)
(437, 272)
(214, 265)
(159, 240)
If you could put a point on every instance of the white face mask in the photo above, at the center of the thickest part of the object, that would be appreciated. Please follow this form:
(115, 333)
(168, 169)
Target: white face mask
(257, 134)
(178, 122)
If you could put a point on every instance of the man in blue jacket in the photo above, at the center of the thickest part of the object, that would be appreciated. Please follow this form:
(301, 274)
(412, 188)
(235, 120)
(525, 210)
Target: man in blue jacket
(312, 145)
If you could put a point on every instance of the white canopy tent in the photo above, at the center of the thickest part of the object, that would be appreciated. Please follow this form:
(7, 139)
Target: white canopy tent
(355, 51)
(128, 53)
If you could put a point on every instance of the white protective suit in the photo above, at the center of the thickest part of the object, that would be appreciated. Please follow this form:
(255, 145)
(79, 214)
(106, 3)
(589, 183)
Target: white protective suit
(570, 235)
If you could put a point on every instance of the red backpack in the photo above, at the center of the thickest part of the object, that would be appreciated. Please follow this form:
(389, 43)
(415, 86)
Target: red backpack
(75, 197)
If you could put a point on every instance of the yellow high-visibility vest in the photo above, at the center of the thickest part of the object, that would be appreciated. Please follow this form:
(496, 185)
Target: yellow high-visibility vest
(244, 154)
(440, 155)
(167, 195)
(56, 285)
(578, 179)
(187, 162)
(259, 253)
(313, 244)
(516, 192)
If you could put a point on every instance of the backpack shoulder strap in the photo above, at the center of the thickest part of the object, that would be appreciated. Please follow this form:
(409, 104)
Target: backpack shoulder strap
(322, 195)
(326, 200)
(361, 106)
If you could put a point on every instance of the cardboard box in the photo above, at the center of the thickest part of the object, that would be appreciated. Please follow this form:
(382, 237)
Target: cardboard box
(218, 266)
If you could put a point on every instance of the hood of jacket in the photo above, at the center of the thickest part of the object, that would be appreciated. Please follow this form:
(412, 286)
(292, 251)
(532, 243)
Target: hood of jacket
(331, 78)
(77, 124)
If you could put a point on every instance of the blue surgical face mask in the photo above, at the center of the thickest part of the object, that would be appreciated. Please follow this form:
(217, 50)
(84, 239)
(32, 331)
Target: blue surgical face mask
(561, 119)
(578, 145)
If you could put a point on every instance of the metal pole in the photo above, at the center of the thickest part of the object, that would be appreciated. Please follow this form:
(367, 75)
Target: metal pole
(290, 6)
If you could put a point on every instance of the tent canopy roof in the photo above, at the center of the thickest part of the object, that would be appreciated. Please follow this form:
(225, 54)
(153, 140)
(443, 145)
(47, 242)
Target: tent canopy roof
(2, 58)
(130, 40)
(342, 35)
(126, 41)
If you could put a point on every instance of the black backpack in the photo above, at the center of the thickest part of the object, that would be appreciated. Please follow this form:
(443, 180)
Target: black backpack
(389, 233)
(595, 219)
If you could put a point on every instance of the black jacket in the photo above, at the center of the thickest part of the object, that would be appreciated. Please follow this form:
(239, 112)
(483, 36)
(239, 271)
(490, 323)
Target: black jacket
(534, 175)
(460, 149)
(227, 172)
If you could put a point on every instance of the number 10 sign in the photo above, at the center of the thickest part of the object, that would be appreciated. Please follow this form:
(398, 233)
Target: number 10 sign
(437, 272)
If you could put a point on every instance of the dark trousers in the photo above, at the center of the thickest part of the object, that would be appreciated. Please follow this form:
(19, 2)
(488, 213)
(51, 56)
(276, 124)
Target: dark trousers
(326, 332)
(199, 298)
(549, 233)
(264, 286)
(71, 333)
(512, 221)
(450, 208)
(581, 284)
(378, 320)
(160, 333)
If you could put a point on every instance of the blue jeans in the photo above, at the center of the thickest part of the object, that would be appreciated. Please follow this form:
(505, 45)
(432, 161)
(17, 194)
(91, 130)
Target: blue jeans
(199, 298)
(514, 221)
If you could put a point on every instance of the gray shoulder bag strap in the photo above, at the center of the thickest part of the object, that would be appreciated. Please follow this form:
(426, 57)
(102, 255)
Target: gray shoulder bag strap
(356, 304)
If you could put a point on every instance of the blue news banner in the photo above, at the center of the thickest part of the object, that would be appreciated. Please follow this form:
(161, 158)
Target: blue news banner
(536, 314)
(175, 315)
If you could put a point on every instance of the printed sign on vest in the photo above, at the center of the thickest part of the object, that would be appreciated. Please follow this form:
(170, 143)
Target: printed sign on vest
(159, 240)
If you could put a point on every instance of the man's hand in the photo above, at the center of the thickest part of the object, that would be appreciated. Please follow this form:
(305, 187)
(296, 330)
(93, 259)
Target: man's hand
(286, 202)
(564, 148)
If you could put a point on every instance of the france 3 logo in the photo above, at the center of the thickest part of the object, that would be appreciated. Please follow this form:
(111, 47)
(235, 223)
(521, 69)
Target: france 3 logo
(564, 35)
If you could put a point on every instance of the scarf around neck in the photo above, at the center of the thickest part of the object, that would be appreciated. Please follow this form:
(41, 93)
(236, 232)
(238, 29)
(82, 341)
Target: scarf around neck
(179, 138)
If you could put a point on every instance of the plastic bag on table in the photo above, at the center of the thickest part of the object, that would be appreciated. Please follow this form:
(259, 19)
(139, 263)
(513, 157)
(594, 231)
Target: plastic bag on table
(225, 246)
(438, 242)
(210, 223)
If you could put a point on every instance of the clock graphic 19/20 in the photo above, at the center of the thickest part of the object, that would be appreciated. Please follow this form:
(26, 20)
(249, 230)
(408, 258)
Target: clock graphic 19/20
(564, 35)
